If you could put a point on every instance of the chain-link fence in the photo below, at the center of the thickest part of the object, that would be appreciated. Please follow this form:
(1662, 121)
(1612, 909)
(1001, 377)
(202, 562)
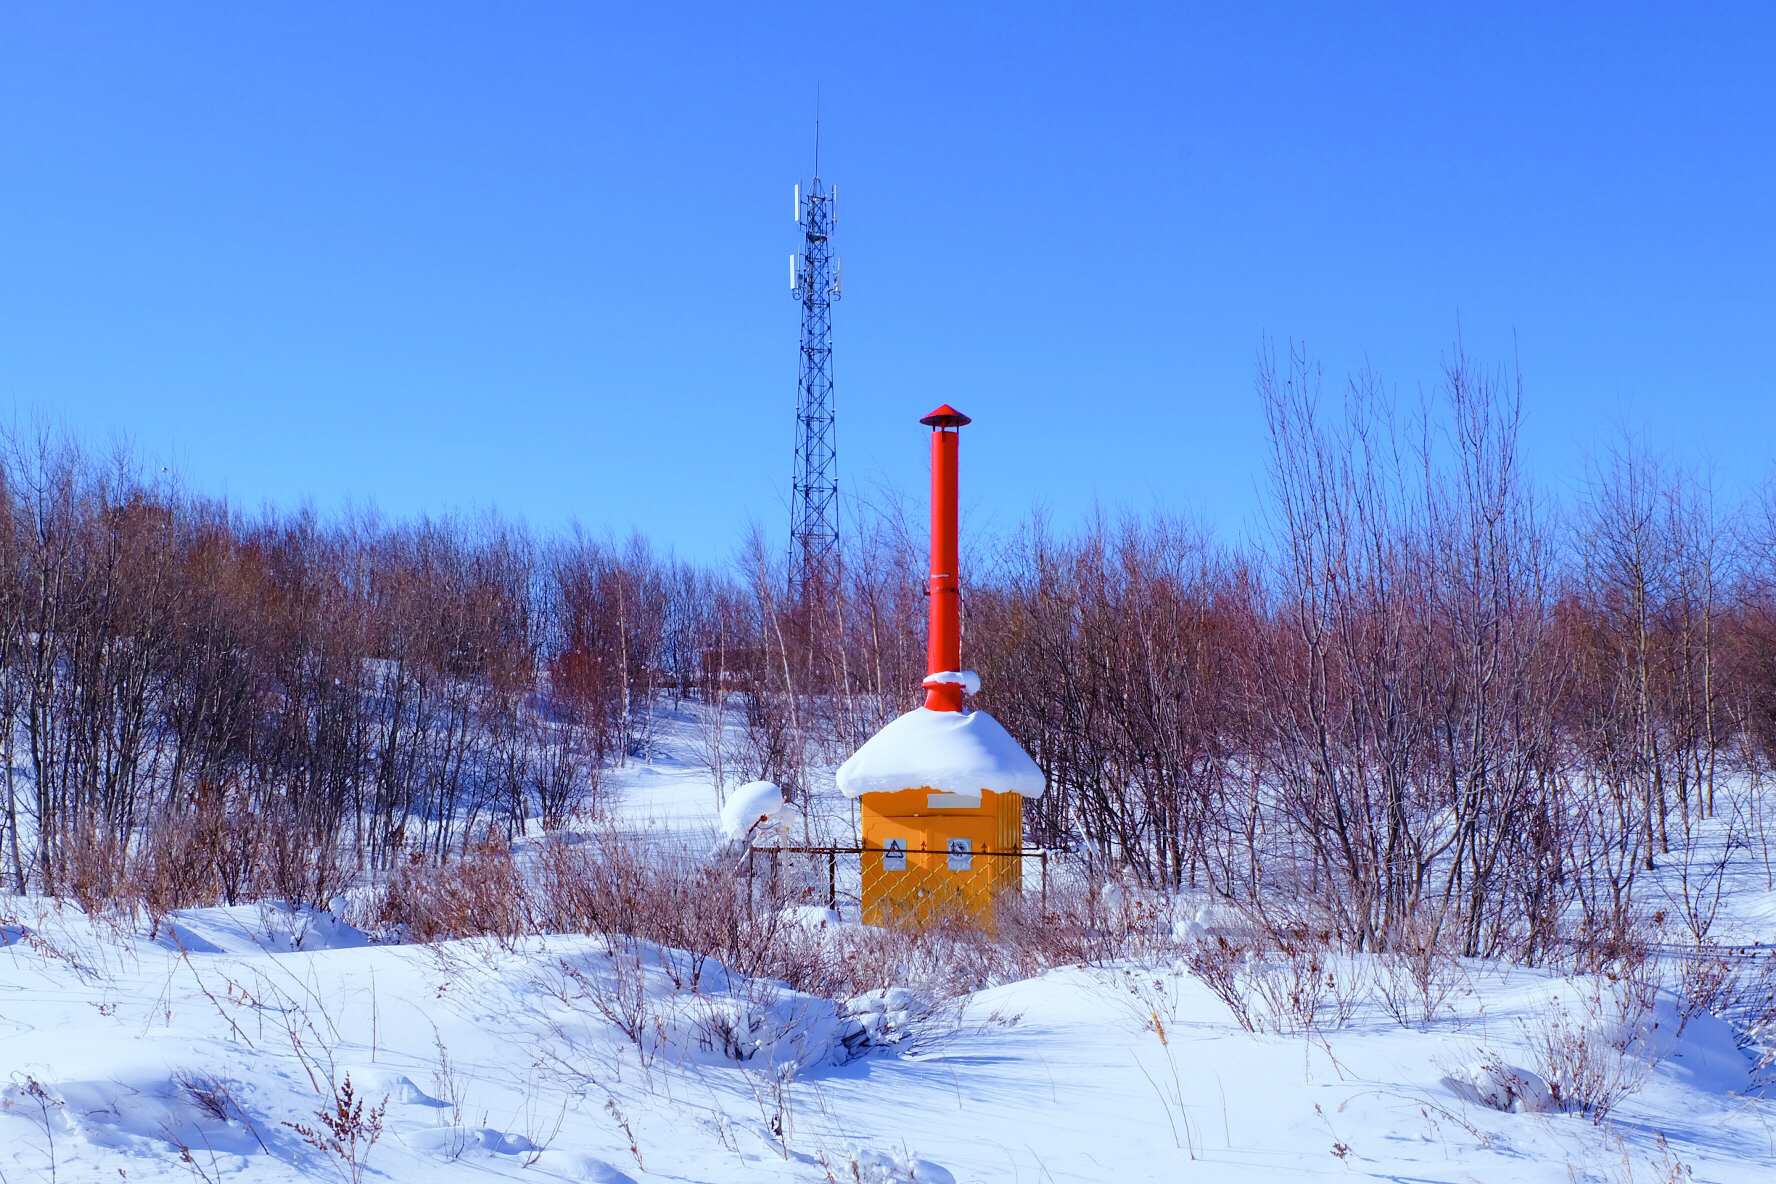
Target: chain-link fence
(893, 885)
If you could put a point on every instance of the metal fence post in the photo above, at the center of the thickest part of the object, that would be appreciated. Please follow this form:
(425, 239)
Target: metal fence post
(832, 880)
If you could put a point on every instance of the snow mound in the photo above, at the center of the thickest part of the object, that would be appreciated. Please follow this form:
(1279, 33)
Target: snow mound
(1501, 1087)
(887, 1013)
(257, 929)
(451, 1142)
(780, 1030)
(945, 751)
(140, 1116)
(753, 804)
(687, 1013)
(374, 1082)
(576, 1166)
(879, 1167)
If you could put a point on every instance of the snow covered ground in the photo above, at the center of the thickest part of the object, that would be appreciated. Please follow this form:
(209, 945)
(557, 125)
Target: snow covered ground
(202, 1050)
(127, 1054)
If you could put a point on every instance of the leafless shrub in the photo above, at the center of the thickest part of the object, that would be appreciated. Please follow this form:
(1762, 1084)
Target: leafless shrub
(622, 1121)
(721, 1030)
(303, 865)
(776, 1102)
(178, 868)
(1491, 1082)
(1152, 994)
(1753, 1014)
(1090, 923)
(1739, 986)
(1349, 984)
(1293, 978)
(96, 871)
(1224, 967)
(1618, 942)
(689, 912)
(1708, 981)
(1587, 1069)
(540, 1131)
(1415, 979)
(1285, 978)
(1670, 1169)
(240, 855)
(347, 1131)
(566, 776)
(448, 1084)
(208, 1094)
(1025, 936)
(47, 1099)
(614, 886)
(33, 938)
(481, 894)
(621, 997)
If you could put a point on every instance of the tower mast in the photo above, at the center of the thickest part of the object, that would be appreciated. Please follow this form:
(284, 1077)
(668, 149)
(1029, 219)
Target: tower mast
(815, 280)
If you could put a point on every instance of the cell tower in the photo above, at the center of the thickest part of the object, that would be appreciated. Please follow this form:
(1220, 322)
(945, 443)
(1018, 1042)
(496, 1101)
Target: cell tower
(815, 279)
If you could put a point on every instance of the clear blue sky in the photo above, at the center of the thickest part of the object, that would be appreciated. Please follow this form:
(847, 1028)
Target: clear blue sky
(533, 255)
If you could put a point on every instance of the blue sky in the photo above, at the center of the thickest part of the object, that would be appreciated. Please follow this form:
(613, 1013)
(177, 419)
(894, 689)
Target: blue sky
(440, 256)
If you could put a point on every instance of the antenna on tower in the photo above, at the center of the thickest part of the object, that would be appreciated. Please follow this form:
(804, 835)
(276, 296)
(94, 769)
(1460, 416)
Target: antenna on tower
(814, 507)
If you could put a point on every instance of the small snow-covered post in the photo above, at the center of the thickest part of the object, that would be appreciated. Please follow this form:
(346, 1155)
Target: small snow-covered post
(941, 789)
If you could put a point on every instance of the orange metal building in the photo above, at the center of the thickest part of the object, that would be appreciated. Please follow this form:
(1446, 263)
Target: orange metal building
(941, 788)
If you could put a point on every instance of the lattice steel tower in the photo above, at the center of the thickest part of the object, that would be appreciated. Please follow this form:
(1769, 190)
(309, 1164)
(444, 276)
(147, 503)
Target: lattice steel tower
(815, 278)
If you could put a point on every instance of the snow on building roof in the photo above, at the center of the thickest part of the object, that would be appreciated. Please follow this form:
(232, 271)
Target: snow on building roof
(947, 751)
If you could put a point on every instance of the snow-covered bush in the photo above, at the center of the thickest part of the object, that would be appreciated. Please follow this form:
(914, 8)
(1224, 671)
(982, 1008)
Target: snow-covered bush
(752, 810)
(1597, 1047)
(1498, 1086)
(867, 1166)
(636, 990)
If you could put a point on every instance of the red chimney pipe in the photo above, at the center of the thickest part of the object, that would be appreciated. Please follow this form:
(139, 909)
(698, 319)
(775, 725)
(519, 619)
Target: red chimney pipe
(944, 642)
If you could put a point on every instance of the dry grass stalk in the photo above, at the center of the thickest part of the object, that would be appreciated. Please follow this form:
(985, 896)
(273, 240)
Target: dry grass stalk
(347, 1131)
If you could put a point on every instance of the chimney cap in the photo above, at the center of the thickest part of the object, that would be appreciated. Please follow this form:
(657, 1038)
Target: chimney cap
(946, 417)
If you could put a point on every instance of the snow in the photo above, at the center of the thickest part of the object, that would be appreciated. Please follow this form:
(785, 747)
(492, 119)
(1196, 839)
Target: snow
(1501, 1087)
(748, 806)
(256, 928)
(947, 751)
(127, 1045)
(968, 680)
(499, 1061)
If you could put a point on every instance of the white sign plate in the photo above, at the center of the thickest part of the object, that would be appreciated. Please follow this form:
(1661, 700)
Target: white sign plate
(961, 855)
